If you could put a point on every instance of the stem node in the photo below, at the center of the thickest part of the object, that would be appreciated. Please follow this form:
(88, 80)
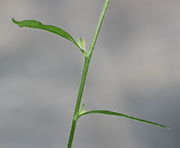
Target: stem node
(87, 58)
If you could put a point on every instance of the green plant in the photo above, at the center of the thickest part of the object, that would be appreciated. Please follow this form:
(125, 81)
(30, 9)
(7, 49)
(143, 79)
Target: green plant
(79, 107)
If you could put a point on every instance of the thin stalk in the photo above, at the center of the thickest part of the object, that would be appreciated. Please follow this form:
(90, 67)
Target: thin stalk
(98, 28)
(87, 59)
(78, 102)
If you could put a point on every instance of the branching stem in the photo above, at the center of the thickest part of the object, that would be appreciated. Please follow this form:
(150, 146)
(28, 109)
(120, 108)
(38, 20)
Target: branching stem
(87, 59)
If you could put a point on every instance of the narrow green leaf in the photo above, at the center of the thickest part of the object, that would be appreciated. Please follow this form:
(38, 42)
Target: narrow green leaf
(120, 114)
(38, 25)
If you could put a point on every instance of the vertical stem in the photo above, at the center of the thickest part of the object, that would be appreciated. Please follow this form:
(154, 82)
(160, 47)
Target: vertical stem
(82, 84)
(78, 102)
(71, 136)
(87, 59)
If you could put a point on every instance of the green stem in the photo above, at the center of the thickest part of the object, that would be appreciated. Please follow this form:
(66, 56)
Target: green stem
(78, 102)
(99, 25)
(71, 136)
(87, 59)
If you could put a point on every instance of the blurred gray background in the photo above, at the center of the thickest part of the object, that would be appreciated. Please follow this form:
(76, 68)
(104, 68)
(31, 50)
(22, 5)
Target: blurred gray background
(135, 69)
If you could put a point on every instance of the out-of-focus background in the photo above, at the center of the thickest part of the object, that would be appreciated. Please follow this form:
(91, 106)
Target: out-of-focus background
(135, 69)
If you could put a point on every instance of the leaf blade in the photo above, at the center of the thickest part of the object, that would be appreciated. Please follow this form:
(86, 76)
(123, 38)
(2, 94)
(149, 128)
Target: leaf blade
(107, 112)
(51, 28)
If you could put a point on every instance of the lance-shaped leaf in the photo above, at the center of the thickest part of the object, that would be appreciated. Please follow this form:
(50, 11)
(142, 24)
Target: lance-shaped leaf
(38, 25)
(121, 115)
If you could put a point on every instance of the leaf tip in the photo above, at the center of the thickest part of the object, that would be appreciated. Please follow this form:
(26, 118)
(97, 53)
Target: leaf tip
(164, 126)
(16, 22)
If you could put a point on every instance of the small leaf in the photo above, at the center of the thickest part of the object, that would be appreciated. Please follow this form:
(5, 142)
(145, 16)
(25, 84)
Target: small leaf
(120, 114)
(81, 43)
(38, 25)
(81, 110)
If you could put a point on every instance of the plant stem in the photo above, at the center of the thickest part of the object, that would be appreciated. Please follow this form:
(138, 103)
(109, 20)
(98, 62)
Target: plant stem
(87, 59)
(99, 25)
(78, 102)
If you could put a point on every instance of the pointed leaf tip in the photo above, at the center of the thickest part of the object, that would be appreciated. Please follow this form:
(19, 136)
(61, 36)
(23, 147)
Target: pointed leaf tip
(14, 21)
(107, 112)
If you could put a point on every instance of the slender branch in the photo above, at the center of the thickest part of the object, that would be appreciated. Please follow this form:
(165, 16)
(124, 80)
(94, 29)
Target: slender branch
(98, 28)
(87, 59)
